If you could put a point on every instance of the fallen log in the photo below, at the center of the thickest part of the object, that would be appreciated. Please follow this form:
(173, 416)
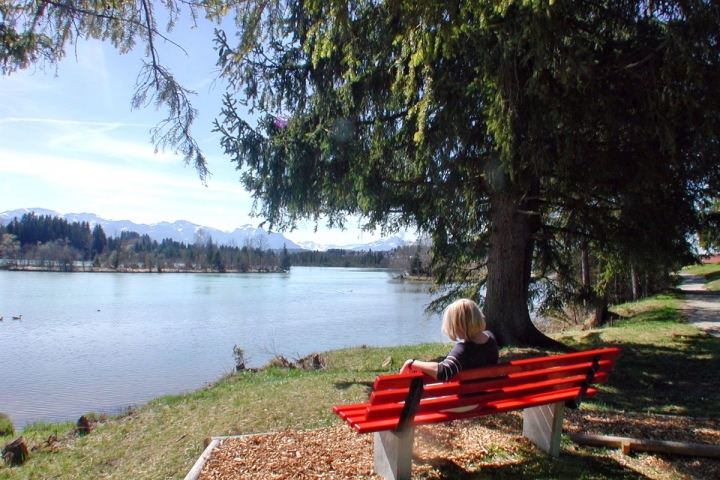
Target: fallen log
(210, 445)
(639, 445)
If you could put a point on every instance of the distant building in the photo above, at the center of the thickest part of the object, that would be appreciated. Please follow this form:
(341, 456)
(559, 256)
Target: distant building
(712, 259)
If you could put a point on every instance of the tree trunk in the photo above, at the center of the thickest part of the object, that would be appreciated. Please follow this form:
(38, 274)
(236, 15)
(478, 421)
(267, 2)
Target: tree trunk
(635, 283)
(509, 268)
(601, 314)
(585, 263)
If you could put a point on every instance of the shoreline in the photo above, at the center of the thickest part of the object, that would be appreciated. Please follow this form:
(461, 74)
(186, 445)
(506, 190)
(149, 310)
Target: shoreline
(28, 268)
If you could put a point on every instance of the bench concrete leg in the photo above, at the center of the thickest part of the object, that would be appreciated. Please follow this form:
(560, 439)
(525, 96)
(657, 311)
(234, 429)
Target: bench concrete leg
(393, 454)
(543, 426)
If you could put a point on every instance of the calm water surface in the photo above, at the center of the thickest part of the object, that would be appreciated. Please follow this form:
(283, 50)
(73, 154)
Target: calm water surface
(104, 341)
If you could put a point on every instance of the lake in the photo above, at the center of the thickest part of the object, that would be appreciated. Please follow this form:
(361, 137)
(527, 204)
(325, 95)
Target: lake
(103, 342)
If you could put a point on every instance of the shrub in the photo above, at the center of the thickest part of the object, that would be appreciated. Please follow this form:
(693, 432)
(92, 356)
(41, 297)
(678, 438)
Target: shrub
(6, 426)
(240, 358)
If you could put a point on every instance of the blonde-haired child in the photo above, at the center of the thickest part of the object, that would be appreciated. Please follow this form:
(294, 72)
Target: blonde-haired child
(464, 323)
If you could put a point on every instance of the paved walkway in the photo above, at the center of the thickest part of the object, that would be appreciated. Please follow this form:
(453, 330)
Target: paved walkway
(701, 306)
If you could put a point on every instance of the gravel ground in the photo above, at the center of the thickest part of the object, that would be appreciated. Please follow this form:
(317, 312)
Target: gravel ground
(701, 307)
(337, 452)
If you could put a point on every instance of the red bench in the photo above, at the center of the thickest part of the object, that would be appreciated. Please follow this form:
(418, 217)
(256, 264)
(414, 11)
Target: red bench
(542, 386)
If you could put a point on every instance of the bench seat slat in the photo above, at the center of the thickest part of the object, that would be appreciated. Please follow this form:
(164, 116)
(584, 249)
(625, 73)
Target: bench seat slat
(470, 387)
(503, 406)
(351, 406)
(362, 425)
(443, 402)
(345, 413)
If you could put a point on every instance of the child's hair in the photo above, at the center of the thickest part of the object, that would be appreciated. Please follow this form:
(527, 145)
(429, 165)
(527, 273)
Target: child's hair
(462, 319)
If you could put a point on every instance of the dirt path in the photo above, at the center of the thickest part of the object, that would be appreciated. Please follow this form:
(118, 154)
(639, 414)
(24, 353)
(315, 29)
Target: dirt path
(701, 307)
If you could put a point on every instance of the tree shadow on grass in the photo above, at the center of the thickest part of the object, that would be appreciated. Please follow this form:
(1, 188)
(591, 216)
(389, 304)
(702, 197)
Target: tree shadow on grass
(680, 380)
(344, 385)
(664, 380)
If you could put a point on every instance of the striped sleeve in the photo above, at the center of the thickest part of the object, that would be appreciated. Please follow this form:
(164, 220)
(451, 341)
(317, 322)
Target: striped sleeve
(451, 365)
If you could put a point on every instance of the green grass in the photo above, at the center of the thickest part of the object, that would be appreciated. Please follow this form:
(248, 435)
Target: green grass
(7, 429)
(713, 280)
(667, 366)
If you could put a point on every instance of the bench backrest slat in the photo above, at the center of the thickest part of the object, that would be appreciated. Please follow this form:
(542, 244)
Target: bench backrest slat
(529, 364)
(390, 382)
(487, 384)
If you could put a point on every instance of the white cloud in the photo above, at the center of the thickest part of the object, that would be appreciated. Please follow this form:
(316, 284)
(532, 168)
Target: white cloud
(125, 188)
(71, 143)
(54, 121)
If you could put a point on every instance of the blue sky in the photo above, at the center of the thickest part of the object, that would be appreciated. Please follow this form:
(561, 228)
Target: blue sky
(70, 142)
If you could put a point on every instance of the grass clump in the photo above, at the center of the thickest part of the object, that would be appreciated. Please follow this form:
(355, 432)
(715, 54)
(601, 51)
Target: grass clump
(7, 428)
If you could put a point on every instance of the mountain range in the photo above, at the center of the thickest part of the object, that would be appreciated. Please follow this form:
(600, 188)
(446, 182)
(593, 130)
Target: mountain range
(184, 231)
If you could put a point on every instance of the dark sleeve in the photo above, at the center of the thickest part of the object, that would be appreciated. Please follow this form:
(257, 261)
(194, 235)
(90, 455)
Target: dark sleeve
(452, 364)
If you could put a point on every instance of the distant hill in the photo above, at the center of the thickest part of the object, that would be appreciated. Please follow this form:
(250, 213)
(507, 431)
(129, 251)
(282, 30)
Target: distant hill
(183, 231)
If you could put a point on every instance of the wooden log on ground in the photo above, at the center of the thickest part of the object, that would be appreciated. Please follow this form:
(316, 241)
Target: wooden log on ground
(195, 471)
(639, 445)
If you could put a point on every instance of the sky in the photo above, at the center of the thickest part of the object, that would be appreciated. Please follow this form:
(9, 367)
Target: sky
(70, 142)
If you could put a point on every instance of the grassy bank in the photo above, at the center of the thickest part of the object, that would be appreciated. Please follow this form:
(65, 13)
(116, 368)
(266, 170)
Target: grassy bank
(163, 438)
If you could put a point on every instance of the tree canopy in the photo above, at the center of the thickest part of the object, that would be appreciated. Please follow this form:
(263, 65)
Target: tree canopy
(507, 130)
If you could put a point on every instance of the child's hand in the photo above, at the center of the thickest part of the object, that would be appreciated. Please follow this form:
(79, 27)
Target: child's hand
(407, 367)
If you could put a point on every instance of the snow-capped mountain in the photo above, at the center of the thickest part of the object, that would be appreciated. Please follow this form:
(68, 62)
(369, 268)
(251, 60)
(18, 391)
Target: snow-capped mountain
(180, 231)
(183, 231)
(381, 245)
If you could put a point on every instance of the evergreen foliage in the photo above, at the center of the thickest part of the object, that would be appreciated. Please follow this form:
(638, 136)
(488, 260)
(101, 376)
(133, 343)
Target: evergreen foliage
(33, 230)
(7, 428)
(519, 135)
(340, 258)
(285, 262)
(710, 232)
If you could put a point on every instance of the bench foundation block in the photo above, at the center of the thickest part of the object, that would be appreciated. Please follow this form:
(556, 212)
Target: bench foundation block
(393, 454)
(543, 426)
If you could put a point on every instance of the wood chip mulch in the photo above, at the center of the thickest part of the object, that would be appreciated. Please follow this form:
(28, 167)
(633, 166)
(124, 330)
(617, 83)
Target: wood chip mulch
(337, 452)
